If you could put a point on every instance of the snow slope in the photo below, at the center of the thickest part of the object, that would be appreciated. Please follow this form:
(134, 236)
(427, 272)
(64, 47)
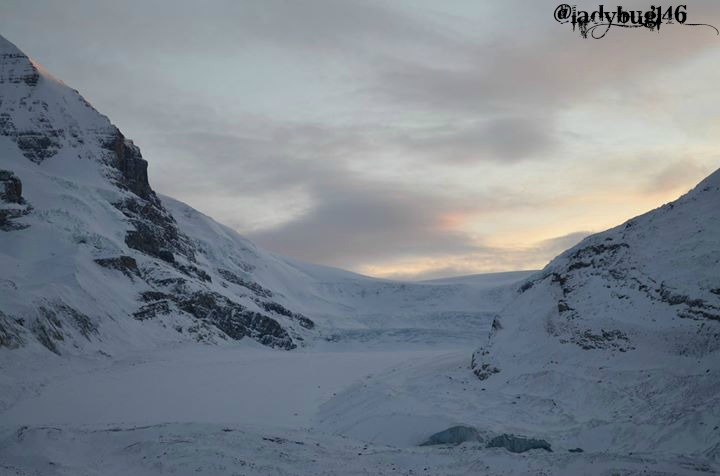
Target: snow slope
(615, 344)
(212, 410)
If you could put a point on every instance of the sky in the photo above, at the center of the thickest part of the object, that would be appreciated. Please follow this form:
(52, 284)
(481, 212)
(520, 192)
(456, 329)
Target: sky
(406, 139)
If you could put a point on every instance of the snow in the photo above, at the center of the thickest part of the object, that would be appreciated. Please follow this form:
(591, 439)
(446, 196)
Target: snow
(188, 409)
(191, 449)
(227, 385)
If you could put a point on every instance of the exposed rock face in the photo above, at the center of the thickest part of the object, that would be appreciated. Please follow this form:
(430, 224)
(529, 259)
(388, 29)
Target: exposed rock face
(37, 138)
(10, 187)
(10, 332)
(17, 68)
(128, 160)
(42, 125)
(615, 263)
(48, 327)
(481, 367)
(258, 290)
(453, 436)
(12, 204)
(518, 444)
(234, 319)
(271, 306)
(156, 233)
(125, 264)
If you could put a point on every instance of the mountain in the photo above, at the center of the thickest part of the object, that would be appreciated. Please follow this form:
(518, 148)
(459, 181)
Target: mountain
(92, 259)
(617, 339)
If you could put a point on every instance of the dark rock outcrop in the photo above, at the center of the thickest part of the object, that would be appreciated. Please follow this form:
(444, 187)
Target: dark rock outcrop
(194, 271)
(128, 161)
(125, 264)
(234, 319)
(40, 139)
(270, 306)
(10, 332)
(153, 309)
(605, 339)
(518, 444)
(10, 188)
(38, 145)
(12, 203)
(481, 366)
(50, 325)
(156, 304)
(17, 68)
(156, 232)
(453, 436)
(48, 333)
(694, 308)
(233, 278)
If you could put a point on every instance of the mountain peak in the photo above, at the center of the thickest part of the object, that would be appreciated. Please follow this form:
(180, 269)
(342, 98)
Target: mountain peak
(16, 68)
(711, 181)
(46, 118)
(74, 194)
(8, 48)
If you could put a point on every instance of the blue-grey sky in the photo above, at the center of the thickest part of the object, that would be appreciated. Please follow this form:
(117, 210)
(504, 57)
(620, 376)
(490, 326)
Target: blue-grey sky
(404, 138)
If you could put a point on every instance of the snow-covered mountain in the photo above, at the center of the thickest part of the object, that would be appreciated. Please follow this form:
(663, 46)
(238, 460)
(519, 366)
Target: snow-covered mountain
(92, 259)
(616, 342)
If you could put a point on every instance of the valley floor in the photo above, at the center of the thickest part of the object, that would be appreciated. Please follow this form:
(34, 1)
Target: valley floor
(244, 410)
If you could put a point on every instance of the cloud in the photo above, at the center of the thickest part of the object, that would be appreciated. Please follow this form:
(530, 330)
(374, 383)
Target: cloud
(353, 223)
(378, 136)
(679, 175)
(348, 218)
(517, 83)
(539, 72)
(265, 157)
(501, 139)
(554, 246)
(222, 27)
(480, 259)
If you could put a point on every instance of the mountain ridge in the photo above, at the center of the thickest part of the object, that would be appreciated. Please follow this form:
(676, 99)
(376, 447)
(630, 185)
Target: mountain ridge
(618, 337)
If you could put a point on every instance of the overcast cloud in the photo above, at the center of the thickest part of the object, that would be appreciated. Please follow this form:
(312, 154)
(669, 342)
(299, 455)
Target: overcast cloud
(408, 139)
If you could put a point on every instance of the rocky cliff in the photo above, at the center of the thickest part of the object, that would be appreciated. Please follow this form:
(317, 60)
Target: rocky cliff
(95, 223)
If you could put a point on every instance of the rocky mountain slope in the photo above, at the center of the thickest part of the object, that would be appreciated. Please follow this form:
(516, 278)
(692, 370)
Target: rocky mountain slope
(92, 259)
(621, 333)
